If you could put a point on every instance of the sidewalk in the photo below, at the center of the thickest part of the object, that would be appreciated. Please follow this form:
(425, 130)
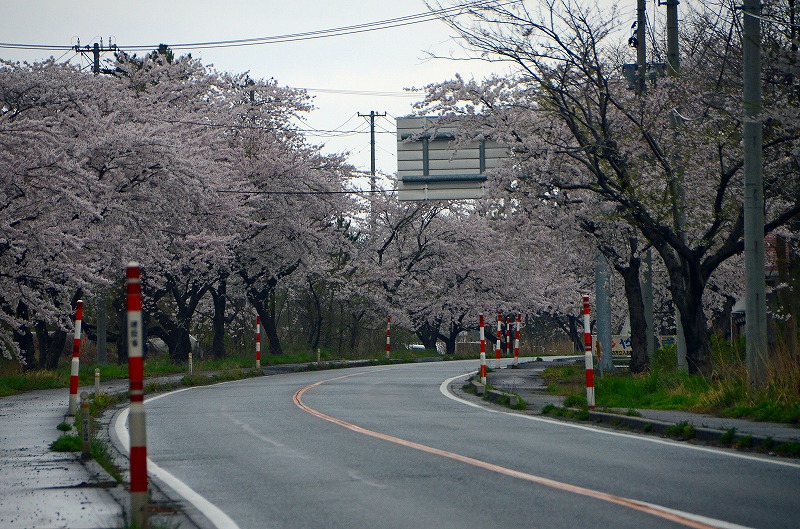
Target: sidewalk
(42, 488)
(526, 381)
(56, 490)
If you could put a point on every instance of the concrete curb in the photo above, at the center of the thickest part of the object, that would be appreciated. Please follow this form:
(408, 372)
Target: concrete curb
(493, 395)
(499, 397)
(678, 425)
(700, 433)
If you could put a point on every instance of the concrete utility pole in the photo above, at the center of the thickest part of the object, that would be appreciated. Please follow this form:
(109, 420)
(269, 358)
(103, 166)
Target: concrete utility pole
(641, 48)
(602, 285)
(372, 185)
(754, 269)
(641, 63)
(647, 299)
(96, 49)
(678, 190)
(372, 115)
(673, 58)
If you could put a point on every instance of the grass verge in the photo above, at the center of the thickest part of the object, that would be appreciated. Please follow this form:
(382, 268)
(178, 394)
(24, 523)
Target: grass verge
(98, 403)
(726, 393)
(98, 449)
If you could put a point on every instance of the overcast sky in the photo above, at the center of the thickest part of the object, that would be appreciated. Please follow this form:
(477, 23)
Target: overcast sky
(349, 74)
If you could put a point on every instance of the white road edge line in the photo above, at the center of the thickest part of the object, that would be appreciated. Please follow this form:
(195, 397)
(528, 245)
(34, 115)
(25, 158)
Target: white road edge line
(214, 514)
(443, 388)
(721, 524)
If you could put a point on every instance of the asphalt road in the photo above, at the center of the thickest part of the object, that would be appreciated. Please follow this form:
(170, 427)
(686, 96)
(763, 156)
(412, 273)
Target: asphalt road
(384, 447)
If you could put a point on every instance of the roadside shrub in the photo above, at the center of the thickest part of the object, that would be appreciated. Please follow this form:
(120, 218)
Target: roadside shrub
(66, 443)
(576, 401)
(681, 430)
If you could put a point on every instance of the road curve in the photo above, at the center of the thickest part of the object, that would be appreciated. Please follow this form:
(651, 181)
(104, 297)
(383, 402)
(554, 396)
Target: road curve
(383, 447)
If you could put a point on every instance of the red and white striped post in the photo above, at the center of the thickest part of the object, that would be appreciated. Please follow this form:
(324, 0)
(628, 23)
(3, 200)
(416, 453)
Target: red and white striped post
(483, 352)
(136, 420)
(388, 336)
(516, 340)
(587, 346)
(76, 358)
(258, 342)
(499, 335)
(508, 335)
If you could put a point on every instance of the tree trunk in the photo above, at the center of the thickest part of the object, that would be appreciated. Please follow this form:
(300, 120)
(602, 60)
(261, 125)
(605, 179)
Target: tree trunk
(428, 335)
(687, 286)
(450, 338)
(24, 339)
(119, 306)
(316, 318)
(176, 326)
(271, 331)
(575, 338)
(219, 297)
(698, 344)
(51, 346)
(633, 295)
(262, 296)
(179, 342)
(788, 297)
(355, 328)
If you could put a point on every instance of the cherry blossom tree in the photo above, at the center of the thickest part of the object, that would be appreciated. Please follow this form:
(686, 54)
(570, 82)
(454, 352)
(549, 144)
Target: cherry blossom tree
(568, 103)
(296, 195)
(45, 210)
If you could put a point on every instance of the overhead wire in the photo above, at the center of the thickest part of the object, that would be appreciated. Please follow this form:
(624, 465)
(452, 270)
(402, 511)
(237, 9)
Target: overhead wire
(370, 93)
(390, 23)
(336, 192)
(294, 37)
(309, 131)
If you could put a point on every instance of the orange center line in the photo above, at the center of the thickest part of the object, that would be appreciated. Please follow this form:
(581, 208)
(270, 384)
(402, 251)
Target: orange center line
(610, 498)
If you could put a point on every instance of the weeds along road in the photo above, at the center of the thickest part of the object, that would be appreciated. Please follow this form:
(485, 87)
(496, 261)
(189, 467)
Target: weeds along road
(385, 447)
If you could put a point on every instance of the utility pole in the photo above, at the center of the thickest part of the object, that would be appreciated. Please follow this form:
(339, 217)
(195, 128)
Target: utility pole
(372, 185)
(676, 184)
(754, 269)
(602, 285)
(372, 115)
(673, 58)
(641, 49)
(647, 299)
(96, 49)
(647, 283)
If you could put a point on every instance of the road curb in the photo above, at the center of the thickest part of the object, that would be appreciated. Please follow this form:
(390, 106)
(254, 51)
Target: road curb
(690, 431)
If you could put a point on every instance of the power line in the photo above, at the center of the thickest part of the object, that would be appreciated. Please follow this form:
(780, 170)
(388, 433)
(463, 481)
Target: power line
(339, 192)
(290, 37)
(371, 93)
(310, 129)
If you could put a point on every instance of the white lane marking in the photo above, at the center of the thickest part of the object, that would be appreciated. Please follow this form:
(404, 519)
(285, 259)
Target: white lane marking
(281, 449)
(721, 524)
(443, 388)
(214, 514)
(356, 477)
